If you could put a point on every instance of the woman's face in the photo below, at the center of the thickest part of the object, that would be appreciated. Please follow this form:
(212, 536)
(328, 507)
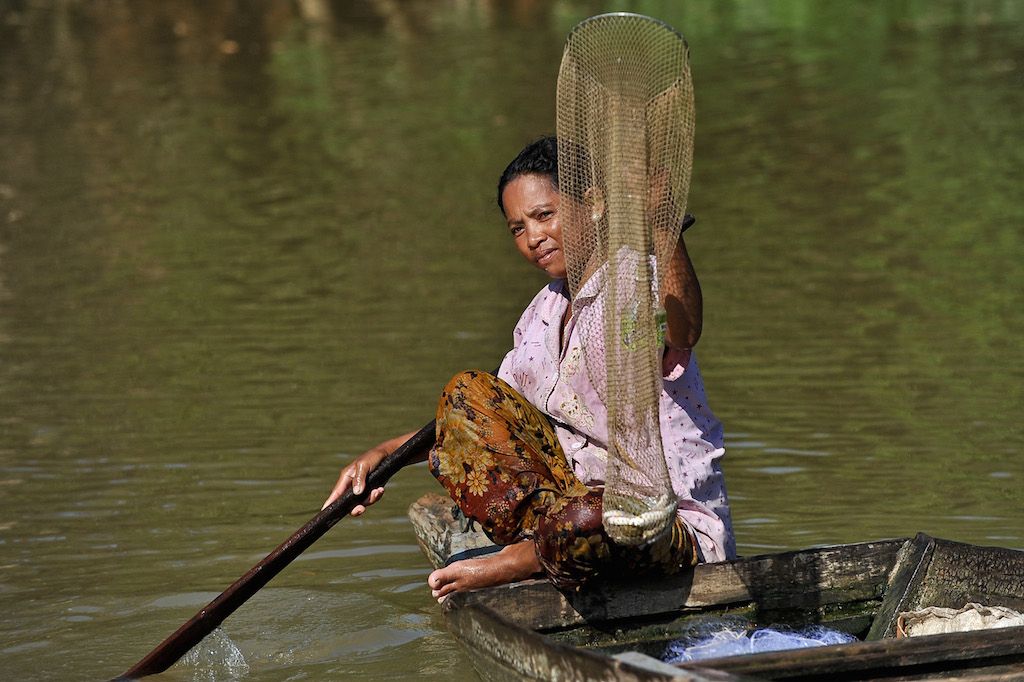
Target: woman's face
(531, 211)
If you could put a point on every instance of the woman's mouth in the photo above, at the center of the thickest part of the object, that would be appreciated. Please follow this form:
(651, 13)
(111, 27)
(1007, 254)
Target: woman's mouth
(545, 258)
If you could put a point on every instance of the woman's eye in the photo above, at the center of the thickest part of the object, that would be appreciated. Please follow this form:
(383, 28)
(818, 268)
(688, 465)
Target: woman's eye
(516, 230)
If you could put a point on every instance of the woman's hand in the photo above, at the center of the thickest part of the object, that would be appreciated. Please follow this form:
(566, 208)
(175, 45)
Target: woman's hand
(354, 475)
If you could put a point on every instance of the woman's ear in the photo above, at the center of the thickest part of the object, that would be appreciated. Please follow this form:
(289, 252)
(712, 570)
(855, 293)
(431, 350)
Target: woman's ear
(593, 199)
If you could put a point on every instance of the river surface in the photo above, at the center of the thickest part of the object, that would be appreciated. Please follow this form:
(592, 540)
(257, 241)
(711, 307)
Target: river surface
(242, 242)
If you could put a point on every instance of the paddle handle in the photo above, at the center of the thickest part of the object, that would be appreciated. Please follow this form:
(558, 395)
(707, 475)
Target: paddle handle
(214, 613)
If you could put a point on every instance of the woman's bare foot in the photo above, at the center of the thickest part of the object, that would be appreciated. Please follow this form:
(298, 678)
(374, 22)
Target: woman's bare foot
(514, 562)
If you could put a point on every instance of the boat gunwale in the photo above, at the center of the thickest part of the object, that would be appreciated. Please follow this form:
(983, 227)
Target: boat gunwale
(866, 566)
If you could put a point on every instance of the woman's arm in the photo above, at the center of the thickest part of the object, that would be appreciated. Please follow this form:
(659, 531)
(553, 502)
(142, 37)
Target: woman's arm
(354, 475)
(682, 300)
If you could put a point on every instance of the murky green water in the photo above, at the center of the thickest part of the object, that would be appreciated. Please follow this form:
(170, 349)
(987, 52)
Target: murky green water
(241, 242)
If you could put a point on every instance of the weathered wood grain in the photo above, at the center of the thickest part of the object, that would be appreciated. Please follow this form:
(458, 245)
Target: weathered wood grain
(442, 532)
(960, 573)
(795, 580)
(885, 658)
(911, 565)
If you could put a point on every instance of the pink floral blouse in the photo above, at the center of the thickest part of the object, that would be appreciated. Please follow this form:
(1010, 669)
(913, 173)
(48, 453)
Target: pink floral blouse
(552, 376)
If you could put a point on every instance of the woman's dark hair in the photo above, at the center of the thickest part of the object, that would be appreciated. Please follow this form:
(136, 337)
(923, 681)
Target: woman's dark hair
(540, 157)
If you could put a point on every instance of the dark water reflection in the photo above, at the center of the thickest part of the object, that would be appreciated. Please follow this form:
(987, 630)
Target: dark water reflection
(239, 244)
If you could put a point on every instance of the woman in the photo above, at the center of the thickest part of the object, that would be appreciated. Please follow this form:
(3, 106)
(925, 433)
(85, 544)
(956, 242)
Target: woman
(523, 453)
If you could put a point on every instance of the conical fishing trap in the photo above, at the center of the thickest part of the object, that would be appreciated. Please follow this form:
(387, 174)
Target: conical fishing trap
(625, 150)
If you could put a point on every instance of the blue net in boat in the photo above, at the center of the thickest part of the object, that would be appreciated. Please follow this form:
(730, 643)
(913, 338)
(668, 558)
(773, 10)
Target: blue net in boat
(733, 641)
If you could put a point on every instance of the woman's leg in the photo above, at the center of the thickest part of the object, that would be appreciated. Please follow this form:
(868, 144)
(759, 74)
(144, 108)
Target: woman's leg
(499, 459)
(573, 547)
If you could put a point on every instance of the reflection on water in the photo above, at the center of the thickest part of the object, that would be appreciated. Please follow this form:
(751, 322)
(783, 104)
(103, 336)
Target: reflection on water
(240, 244)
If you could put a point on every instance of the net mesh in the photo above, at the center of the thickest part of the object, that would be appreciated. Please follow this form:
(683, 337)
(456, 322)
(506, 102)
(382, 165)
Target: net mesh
(625, 150)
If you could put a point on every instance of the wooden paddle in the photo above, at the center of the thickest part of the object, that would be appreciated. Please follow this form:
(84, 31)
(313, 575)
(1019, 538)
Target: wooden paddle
(214, 613)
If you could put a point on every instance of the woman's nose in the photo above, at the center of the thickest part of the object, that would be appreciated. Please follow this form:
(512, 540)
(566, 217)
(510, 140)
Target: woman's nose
(534, 235)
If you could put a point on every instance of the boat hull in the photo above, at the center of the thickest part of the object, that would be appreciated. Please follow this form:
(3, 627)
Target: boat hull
(618, 631)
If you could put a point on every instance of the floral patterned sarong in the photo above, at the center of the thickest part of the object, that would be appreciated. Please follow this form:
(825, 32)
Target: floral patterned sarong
(499, 458)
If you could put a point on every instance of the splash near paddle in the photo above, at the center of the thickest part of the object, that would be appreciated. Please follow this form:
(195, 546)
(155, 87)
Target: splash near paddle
(625, 123)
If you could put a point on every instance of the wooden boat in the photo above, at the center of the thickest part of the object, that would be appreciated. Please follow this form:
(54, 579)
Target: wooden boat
(529, 630)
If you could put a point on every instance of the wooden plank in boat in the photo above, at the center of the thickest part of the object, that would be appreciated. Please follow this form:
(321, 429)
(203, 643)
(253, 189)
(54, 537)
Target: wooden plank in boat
(916, 657)
(442, 532)
(794, 580)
